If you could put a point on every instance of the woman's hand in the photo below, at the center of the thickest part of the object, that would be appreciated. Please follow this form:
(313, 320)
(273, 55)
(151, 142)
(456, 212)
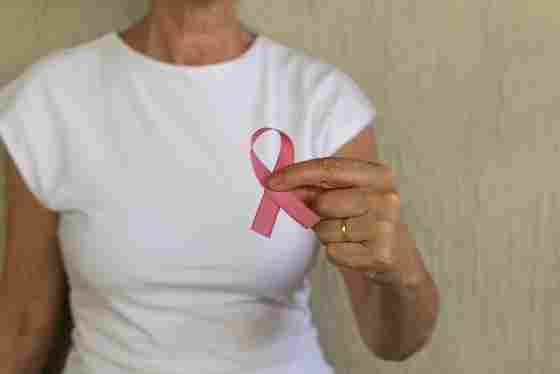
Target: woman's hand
(360, 210)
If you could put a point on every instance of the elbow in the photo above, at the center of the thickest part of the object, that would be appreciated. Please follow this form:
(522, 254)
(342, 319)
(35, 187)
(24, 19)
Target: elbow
(399, 354)
(393, 356)
(396, 356)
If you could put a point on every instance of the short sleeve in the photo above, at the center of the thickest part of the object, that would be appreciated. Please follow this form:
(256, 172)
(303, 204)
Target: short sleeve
(27, 133)
(341, 109)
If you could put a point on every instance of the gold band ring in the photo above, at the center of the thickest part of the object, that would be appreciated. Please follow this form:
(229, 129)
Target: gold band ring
(344, 230)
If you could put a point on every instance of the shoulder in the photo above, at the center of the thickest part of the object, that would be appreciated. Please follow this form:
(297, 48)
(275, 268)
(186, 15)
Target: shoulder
(56, 68)
(77, 57)
(312, 71)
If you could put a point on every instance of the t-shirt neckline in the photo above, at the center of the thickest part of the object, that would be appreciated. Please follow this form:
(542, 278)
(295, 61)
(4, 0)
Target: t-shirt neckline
(138, 57)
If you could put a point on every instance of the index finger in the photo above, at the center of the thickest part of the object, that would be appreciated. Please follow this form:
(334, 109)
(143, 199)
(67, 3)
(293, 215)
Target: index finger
(332, 172)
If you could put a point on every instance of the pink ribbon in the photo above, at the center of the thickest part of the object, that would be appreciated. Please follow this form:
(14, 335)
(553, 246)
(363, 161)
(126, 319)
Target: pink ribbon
(272, 201)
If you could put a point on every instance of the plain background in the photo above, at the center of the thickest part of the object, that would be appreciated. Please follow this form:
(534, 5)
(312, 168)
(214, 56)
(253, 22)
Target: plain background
(469, 109)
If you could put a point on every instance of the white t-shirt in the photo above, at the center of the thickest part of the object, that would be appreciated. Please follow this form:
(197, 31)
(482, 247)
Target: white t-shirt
(148, 164)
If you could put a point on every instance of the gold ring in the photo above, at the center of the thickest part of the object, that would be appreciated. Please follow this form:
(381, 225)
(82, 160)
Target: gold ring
(344, 229)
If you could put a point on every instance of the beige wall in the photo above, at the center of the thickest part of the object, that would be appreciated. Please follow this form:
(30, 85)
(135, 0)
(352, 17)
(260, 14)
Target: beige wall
(469, 117)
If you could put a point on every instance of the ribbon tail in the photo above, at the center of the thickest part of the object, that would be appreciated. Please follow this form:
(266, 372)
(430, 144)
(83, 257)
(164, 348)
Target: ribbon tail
(265, 217)
(294, 207)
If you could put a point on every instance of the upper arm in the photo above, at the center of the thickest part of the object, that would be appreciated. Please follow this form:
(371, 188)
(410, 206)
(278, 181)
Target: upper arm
(363, 146)
(33, 278)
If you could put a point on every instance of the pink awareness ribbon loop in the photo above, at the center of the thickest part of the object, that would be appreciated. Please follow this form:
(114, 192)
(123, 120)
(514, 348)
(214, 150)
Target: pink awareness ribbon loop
(272, 201)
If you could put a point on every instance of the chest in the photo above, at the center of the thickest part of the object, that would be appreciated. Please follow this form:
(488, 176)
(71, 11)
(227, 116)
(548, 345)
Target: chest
(165, 197)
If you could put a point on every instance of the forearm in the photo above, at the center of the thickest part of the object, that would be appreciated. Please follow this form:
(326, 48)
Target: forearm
(22, 351)
(33, 352)
(395, 322)
(26, 350)
(402, 320)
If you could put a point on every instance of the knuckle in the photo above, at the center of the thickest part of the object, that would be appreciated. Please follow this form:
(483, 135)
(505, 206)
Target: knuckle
(414, 279)
(363, 200)
(389, 176)
(329, 167)
(386, 260)
(393, 200)
(385, 257)
(350, 202)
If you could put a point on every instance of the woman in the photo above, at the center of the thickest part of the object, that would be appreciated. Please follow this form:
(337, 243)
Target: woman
(132, 150)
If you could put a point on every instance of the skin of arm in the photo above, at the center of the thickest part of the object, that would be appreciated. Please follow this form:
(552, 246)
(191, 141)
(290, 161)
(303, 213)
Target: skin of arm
(394, 321)
(33, 284)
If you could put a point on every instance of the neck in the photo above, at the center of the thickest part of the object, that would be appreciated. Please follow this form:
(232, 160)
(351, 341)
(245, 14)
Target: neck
(190, 32)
